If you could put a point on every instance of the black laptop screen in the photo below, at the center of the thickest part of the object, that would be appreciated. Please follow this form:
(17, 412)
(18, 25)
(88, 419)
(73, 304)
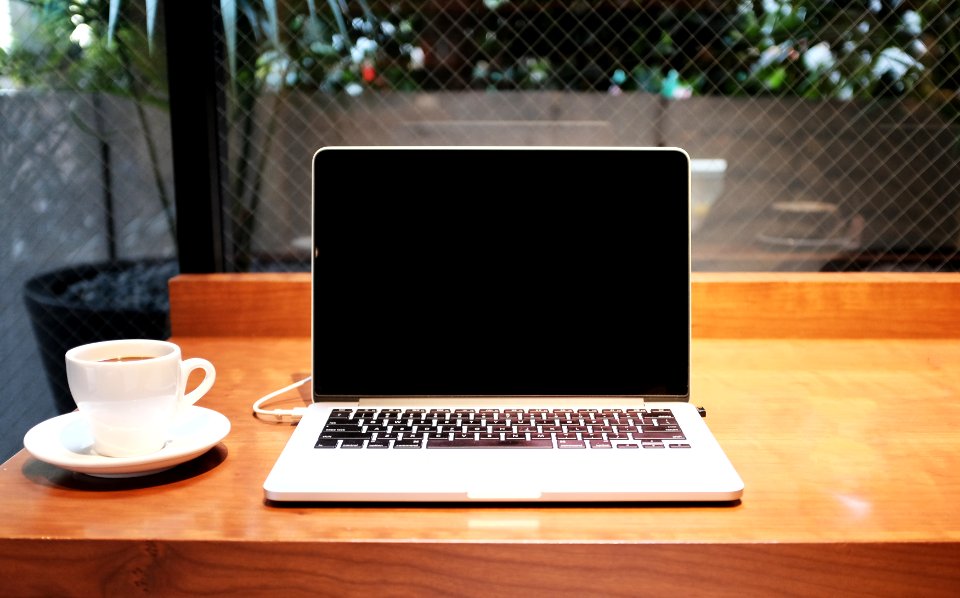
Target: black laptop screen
(474, 272)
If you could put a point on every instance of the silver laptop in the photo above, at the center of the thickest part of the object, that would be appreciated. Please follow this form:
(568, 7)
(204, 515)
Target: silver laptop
(501, 324)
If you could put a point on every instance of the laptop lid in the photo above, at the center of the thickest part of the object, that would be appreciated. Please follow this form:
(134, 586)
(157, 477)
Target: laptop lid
(482, 271)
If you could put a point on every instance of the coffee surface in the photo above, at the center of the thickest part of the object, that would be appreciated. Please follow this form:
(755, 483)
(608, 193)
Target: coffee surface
(126, 358)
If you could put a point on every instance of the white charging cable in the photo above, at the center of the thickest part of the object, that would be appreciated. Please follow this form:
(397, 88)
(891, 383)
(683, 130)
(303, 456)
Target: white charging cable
(280, 416)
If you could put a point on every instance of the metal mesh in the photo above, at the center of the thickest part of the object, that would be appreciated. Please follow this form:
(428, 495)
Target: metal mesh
(823, 133)
(85, 191)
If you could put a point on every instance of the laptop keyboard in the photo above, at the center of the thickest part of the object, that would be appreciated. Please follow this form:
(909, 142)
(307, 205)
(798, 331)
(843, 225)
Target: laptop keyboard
(507, 428)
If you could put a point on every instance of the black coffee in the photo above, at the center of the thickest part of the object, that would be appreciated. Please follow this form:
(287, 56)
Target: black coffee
(126, 358)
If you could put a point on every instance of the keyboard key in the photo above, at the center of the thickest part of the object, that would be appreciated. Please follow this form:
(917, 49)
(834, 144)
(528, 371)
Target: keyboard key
(488, 443)
(408, 443)
(342, 428)
(659, 436)
(344, 435)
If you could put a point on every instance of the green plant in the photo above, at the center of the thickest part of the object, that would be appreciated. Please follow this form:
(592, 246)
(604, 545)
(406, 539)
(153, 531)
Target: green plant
(271, 52)
(107, 46)
(274, 48)
(816, 49)
(71, 49)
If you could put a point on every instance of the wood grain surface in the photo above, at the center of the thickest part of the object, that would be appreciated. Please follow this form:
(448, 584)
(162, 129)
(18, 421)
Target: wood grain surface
(261, 304)
(849, 449)
(481, 569)
(724, 305)
(850, 452)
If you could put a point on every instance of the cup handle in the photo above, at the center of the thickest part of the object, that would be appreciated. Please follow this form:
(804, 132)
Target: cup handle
(210, 374)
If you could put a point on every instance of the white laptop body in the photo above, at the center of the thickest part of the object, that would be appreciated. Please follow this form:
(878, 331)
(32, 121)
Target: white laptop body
(449, 293)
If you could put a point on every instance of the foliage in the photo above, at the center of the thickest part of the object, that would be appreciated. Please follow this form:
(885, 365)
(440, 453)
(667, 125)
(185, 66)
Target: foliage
(108, 46)
(334, 51)
(272, 51)
(75, 48)
(808, 48)
(829, 49)
(816, 49)
(70, 50)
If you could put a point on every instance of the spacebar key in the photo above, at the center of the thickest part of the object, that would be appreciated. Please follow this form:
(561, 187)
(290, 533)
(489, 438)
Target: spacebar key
(488, 443)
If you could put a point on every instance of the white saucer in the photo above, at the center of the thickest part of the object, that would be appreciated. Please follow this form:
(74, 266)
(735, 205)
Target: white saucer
(66, 441)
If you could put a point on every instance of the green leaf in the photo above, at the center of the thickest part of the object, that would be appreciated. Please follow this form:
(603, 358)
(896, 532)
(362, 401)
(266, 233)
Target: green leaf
(273, 31)
(367, 13)
(341, 25)
(112, 21)
(228, 12)
(775, 79)
(151, 22)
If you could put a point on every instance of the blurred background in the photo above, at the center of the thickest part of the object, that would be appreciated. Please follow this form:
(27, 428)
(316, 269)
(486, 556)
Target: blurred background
(823, 135)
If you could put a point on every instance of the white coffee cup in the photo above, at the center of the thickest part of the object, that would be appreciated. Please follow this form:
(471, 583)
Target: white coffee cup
(131, 391)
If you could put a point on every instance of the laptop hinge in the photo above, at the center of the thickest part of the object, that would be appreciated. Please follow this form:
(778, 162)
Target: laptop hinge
(506, 402)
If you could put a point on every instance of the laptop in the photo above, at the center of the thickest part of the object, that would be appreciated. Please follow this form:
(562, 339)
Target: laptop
(501, 324)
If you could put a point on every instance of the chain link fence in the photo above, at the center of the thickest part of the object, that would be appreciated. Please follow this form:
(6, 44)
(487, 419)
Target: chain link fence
(823, 133)
(85, 191)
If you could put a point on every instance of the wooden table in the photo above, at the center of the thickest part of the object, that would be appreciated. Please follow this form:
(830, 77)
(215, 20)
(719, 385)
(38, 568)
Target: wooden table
(849, 449)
